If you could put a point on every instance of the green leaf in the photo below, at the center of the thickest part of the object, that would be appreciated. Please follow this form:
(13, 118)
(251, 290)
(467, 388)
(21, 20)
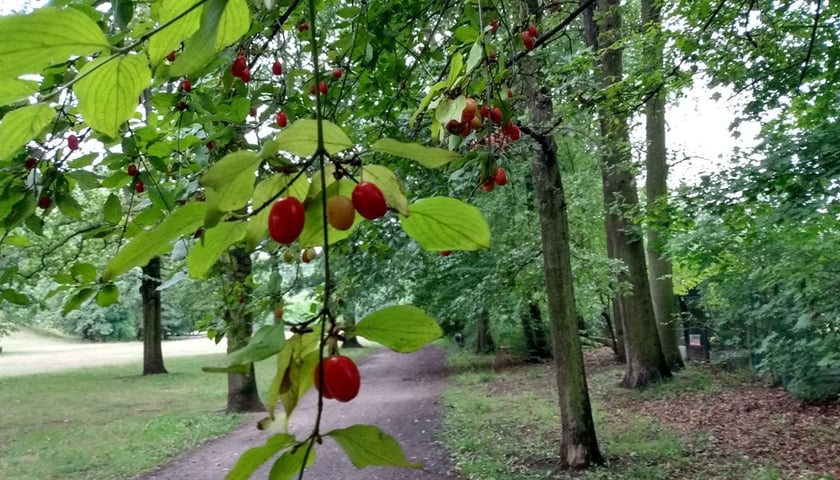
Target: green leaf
(14, 90)
(264, 191)
(13, 296)
(112, 210)
(455, 69)
(348, 12)
(386, 180)
(466, 34)
(289, 464)
(235, 22)
(22, 125)
(77, 300)
(443, 223)
(108, 94)
(429, 157)
(450, 109)
(232, 181)
(83, 272)
(367, 445)
(199, 49)
(425, 102)
(108, 295)
(123, 12)
(253, 458)
(28, 43)
(86, 179)
(267, 341)
(213, 244)
(69, 206)
(402, 328)
(301, 138)
(474, 59)
(170, 38)
(151, 243)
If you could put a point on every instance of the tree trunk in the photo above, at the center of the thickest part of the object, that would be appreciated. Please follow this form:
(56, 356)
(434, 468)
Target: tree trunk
(578, 442)
(350, 339)
(536, 338)
(645, 362)
(243, 395)
(660, 269)
(152, 324)
(483, 341)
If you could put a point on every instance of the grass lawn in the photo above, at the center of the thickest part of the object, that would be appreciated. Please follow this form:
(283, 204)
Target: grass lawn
(110, 422)
(505, 426)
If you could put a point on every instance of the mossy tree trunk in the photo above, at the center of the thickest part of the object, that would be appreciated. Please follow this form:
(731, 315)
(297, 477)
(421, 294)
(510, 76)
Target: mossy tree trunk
(243, 395)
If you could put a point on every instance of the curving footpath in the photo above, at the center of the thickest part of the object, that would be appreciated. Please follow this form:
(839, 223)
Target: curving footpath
(401, 394)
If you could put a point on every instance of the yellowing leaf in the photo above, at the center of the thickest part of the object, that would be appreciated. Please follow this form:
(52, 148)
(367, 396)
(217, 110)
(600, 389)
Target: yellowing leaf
(443, 223)
(108, 94)
(13, 90)
(367, 445)
(301, 138)
(385, 179)
(429, 157)
(231, 180)
(22, 125)
(235, 21)
(170, 38)
(213, 244)
(402, 328)
(28, 43)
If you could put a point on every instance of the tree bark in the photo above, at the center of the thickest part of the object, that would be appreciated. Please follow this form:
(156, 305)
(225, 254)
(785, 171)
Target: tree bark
(536, 337)
(578, 443)
(483, 341)
(645, 362)
(350, 339)
(656, 187)
(243, 395)
(152, 324)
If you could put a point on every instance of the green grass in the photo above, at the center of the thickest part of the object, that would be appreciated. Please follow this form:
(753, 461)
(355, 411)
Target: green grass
(506, 426)
(110, 422)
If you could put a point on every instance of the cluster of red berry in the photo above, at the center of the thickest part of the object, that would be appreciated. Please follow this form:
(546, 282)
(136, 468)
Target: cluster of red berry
(529, 37)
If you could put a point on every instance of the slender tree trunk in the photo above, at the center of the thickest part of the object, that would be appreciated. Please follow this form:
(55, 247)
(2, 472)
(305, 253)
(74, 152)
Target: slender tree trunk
(645, 362)
(534, 331)
(243, 395)
(660, 269)
(578, 441)
(350, 339)
(152, 324)
(484, 341)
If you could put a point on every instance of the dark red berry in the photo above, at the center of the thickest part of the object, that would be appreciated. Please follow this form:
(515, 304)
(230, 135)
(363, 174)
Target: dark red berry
(31, 163)
(494, 25)
(501, 177)
(445, 253)
(496, 115)
(246, 76)
(369, 201)
(337, 73)
(171, 56)
(277, 68)
(186, 85)
(182, 105)
(44, 202)
(239, 66)
(139, 187)
(132, 170)
(532, 30)
(302, 27)
(282, 120)
(73, 142)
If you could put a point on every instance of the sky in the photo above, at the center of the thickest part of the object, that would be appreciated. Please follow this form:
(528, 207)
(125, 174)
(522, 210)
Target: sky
(697, 135)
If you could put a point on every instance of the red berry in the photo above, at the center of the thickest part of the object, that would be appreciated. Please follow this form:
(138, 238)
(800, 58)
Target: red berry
(239, 66)
(525, 36)
(246, 76)
(465, 129)
(512, 131)
(510, 93)
(31, 163)
(303, 26)
(324, 87)
(211, 145)
(501, 177)
(277, 68)
(253, 111)
(485, 111)
(494, 25)
(282, 120)
(488, 185)
(186, 85)
(469, 111)
(532, 30)
(341, 378)
(139, 187)
(285, 221)
(171, 56)
(445, 253)
(132, 169)
(529, 44)
(453, 126)
(182, 105)
(44, 202)
(496, 115)
(369, 201)
(337, 73)
(73, 142)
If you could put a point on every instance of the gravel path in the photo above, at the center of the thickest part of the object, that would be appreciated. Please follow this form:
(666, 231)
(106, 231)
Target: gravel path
(400, 394)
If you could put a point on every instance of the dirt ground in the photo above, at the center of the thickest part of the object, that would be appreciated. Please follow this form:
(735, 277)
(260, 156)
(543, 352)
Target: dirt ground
(26, 352)
(400, 394)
